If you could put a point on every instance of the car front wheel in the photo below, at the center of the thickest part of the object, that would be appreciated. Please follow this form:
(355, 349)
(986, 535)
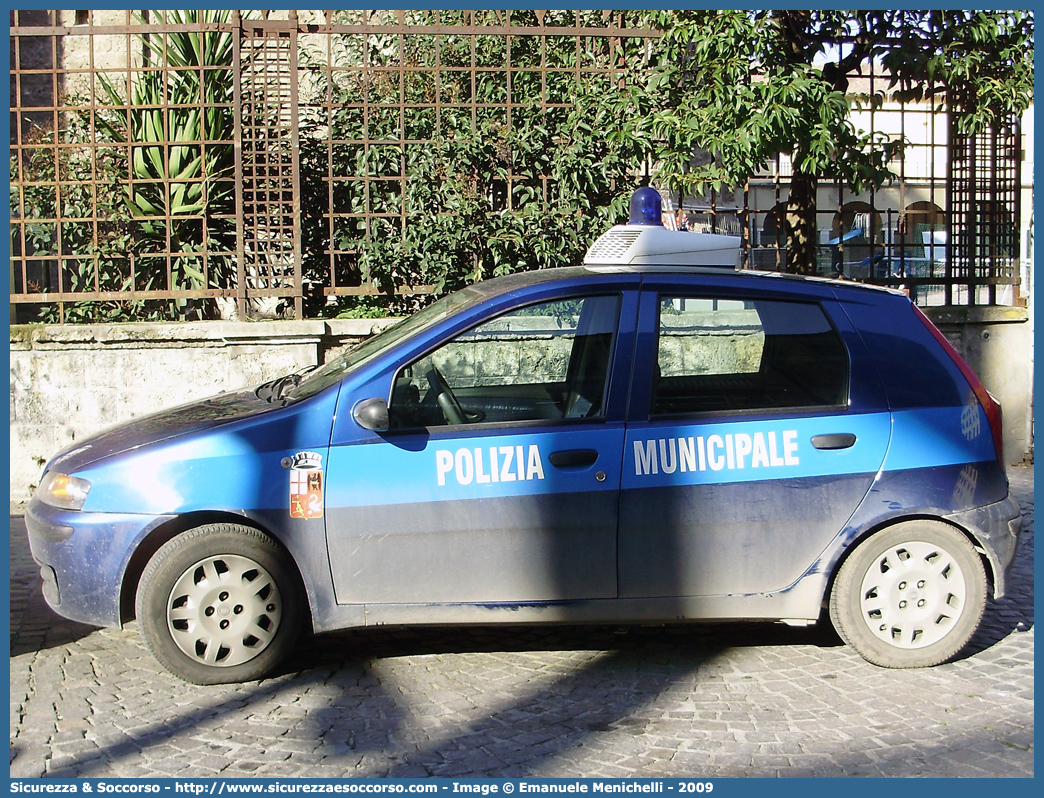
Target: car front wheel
(219, 604)
(910, 596)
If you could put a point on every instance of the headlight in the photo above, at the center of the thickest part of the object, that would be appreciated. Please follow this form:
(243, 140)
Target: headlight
(62, 491)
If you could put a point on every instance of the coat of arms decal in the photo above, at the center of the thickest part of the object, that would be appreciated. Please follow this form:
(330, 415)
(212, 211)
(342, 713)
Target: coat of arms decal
(306, 485)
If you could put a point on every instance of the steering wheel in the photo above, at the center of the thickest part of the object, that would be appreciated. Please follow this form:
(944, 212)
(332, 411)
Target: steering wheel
(448, 404)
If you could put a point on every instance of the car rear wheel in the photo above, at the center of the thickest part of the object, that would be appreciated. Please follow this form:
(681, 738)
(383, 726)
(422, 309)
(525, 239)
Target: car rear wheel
(218, 604)
(910, 596)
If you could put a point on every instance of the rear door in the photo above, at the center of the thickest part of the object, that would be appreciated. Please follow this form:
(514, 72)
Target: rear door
(499, 480)
(749, 445)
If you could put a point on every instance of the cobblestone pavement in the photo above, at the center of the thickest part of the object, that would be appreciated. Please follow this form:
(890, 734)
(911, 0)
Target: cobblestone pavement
(704, 701)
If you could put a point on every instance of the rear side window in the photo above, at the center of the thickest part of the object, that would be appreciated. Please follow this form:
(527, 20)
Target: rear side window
(718, 355)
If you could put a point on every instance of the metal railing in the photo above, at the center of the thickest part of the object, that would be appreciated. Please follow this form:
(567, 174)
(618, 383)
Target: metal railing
(183, 164)
(156, 159)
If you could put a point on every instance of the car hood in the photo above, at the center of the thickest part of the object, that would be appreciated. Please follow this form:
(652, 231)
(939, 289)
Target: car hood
(194, 417)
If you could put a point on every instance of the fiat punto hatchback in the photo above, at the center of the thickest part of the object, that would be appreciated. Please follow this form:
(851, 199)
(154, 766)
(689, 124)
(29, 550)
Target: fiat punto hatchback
(651, 437)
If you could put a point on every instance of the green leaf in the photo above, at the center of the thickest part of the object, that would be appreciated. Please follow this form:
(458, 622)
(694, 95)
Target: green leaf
(140, 206)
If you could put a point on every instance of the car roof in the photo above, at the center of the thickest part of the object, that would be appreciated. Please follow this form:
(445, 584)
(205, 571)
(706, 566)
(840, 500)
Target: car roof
(498, 286)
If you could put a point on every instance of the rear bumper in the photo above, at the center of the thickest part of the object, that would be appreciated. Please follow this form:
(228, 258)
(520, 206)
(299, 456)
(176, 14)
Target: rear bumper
(996, 528)
(83, 558)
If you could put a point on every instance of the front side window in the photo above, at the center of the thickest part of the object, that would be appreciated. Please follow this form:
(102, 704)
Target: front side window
(337, 369)
(542, 362)
(719, 355)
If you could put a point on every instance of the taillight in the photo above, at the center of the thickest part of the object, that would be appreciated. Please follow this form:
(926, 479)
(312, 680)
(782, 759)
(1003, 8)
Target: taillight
(989, 404)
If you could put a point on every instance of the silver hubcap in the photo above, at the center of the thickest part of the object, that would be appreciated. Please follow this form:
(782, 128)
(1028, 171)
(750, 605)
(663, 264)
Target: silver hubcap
(224, 610)
(913, 595)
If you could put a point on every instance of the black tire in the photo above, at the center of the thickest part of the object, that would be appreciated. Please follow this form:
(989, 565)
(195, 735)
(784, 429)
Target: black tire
(220, 604)
(910, 596)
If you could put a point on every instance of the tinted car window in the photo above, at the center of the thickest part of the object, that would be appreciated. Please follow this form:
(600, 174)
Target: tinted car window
(542, 362)
(721, 354)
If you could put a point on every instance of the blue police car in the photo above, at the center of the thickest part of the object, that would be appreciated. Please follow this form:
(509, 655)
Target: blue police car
(653, 436)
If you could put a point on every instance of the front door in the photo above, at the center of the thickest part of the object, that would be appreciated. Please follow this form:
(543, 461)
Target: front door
(499, 480)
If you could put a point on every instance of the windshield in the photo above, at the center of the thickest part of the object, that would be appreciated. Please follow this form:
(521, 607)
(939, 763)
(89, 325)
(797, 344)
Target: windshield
(373, 348)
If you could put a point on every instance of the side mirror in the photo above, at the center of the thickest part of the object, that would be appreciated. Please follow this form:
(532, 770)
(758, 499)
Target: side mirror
(372, 414)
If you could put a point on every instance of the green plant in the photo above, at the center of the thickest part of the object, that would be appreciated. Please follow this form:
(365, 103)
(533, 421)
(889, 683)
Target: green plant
(179, 120)
(747, 86)
(90, 246)
(365, 307)
(479, 197)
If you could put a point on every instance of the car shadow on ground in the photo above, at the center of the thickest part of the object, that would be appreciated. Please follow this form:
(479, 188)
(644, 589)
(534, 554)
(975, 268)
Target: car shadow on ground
(60, 633)
(544, 717)
(385, 642)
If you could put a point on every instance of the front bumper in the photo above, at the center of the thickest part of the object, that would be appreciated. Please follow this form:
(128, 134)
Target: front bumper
(83, 558)
(996, 529)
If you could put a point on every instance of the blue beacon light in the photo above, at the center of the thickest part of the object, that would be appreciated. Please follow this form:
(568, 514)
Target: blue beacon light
(646, 207)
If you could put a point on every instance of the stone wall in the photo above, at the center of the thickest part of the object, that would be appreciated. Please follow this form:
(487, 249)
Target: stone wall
(716, 342)
(997, 342)
(68, 382)
(502, 357)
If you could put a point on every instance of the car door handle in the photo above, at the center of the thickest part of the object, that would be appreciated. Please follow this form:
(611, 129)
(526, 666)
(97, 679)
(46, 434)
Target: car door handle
(836, 440)
(573, 458)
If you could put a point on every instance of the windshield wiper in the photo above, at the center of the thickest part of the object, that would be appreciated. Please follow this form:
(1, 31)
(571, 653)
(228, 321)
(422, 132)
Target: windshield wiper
(264, 390)
(273, 390)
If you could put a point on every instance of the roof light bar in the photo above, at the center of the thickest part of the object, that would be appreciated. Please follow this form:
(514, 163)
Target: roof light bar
(646, 207)
(644, 241)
